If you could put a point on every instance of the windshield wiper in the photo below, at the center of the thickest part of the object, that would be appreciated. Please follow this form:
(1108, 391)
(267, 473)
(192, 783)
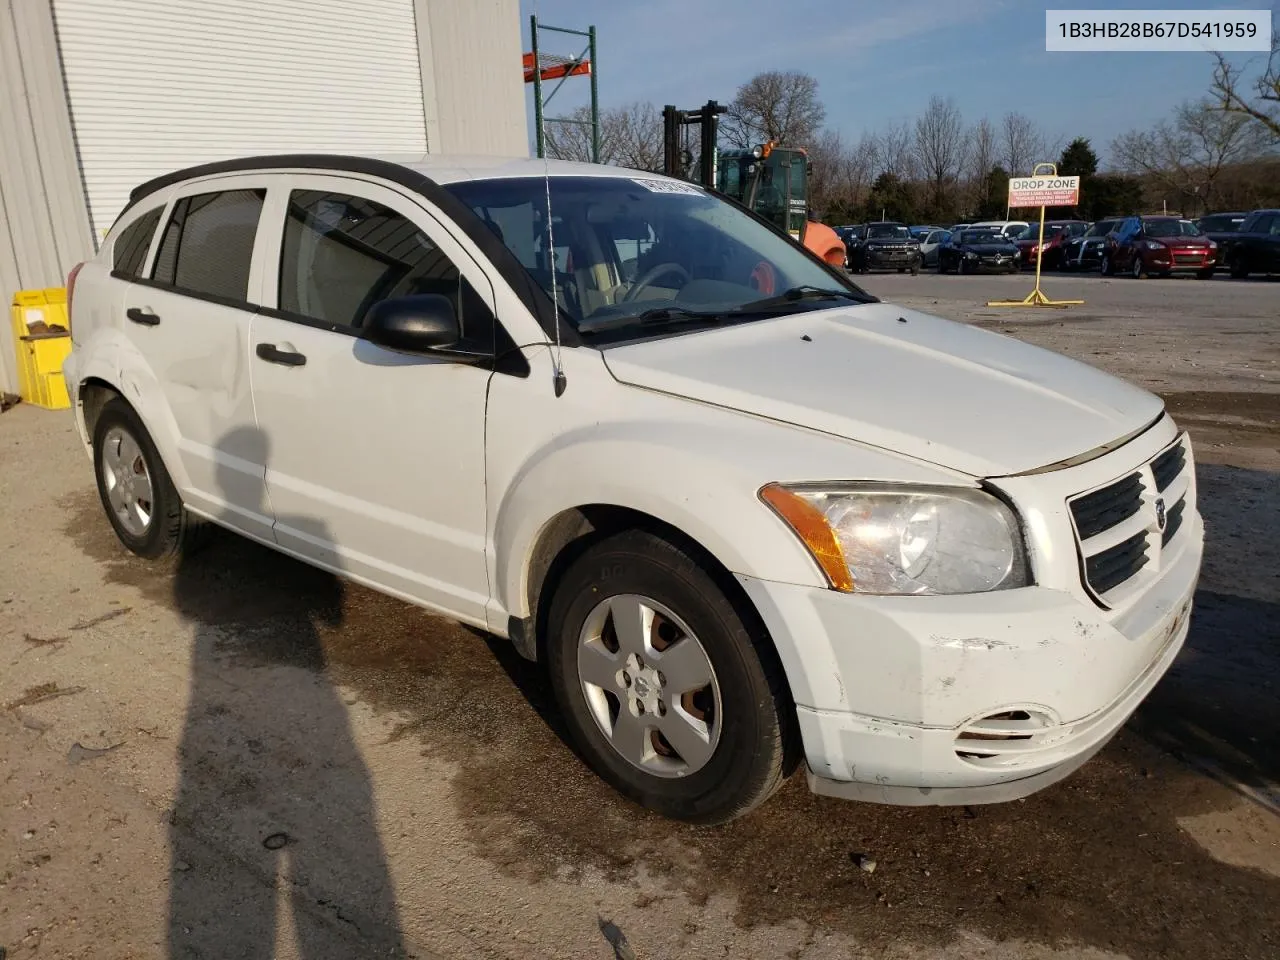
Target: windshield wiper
(795, 295)
(656, 317)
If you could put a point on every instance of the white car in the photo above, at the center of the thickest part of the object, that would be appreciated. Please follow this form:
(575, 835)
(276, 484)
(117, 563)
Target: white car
(747, 515)
(930, 244)
(1010, 229)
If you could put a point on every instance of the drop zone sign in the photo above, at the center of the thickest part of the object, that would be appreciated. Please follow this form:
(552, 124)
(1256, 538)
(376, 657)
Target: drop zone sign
(1044, 191)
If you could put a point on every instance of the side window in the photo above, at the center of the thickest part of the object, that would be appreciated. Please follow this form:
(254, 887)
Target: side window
(130, 248)
(342, 254)
(207, 247)
(1266, 223)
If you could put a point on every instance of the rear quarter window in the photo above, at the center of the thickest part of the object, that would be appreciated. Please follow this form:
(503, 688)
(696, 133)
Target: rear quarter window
(207, 247)
(130, 248)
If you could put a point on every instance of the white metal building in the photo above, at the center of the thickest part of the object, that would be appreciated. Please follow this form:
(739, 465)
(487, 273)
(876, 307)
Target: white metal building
(97, 96)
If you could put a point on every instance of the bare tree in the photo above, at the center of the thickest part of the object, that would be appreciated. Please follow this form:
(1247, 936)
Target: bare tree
(940, 147)
(1021, 144)
(983, 153)
(895, 150)
(777, 105)
(1187, 153)
(630, 136)
(1263, 105)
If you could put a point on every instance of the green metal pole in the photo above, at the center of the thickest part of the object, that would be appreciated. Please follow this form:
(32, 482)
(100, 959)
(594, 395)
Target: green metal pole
(595, 100)
(537, 86)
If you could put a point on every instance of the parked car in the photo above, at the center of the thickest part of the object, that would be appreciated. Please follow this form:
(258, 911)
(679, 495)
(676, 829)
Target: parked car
(1255, 248)
(920, 231)
(745, 515)
(1085, 252)
(1158, 245)
(1056, 234)
(976, 250)
(1008, 228)
(1221, 228)
(885, 245)
(929, 247)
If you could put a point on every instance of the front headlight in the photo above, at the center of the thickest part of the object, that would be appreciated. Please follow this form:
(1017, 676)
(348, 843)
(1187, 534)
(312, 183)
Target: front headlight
(970, 255)
(880, 539)
(1153, 245)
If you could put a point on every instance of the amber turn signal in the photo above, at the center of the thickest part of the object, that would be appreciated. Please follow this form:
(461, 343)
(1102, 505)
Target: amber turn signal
(814, 532)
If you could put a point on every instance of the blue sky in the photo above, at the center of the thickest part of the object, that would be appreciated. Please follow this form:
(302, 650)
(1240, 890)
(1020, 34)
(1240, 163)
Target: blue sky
(877, 63)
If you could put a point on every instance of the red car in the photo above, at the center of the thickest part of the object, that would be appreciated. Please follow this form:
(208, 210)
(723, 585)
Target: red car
(1057, 234)
(1160, 246)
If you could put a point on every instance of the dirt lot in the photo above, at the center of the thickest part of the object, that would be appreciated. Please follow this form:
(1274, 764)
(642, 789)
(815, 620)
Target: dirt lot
(242, 757)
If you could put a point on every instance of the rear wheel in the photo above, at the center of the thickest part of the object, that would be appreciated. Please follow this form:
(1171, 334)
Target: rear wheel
(670, 695)
(140, 500)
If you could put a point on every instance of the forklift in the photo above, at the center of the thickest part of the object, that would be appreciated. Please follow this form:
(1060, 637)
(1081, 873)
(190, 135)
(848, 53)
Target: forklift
(770, 180)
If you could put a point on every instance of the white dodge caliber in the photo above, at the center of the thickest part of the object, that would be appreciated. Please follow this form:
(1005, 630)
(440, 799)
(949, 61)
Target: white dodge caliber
(747, 515)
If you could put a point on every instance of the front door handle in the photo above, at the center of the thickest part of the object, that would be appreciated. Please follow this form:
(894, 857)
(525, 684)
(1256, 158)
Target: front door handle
(142, 316)
(273, 354)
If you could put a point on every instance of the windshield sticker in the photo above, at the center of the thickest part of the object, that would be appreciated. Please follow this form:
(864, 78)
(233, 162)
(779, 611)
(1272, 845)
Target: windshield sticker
(668, 186)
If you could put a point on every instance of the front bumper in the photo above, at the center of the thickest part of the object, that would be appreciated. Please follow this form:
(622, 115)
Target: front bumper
(1180, 264)
(897, 697)
(891, 259)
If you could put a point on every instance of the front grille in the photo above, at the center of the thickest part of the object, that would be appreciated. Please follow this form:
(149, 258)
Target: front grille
(1166, 467)
(1103, 509)
(1172, 521)
(1118, 527)
(1110, 568)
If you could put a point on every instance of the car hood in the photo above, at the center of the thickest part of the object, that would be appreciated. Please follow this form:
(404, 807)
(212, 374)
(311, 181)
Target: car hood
(989, 248)
(1181, 243)
(928, 388)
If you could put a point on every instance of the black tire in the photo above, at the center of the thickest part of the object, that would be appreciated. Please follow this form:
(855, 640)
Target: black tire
(1106, 267)
(964, 266)
(902, 269)
(1138, 269)
(757, 736)
(171, 530)
(1237, 268)
(942, 264)
(915, 270)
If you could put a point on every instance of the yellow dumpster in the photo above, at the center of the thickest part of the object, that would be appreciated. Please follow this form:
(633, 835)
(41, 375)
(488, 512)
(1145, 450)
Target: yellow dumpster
(43, 339)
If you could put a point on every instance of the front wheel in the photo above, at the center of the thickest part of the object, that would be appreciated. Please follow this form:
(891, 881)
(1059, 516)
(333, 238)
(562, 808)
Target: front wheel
(915, 269)
(1237, 268)
(669, 693)
(1137, 269)
(1107, 268)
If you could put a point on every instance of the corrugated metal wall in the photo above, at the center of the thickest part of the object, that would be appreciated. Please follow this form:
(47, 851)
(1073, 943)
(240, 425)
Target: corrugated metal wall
(157, 85)
(44, 224)
(472, 76)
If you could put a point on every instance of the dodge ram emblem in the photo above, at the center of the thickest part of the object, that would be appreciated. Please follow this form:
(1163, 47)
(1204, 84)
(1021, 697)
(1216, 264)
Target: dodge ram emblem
(1160, 515)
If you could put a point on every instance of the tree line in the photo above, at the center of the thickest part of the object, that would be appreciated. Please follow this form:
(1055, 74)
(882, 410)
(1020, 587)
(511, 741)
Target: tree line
(1216, 153)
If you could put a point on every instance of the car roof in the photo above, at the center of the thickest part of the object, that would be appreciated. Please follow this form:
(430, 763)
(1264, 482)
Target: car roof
(438, 169)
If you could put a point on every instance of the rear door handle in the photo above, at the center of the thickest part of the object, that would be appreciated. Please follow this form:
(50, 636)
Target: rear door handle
(142, 316)
(273, 354)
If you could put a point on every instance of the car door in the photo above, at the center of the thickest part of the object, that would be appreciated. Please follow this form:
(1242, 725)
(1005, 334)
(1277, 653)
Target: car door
(1123, 243)
(375, 462)
(189, 316)
(1269, 247)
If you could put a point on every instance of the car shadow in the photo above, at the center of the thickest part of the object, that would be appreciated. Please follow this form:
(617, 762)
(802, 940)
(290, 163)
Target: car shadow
(1218, 708)
(1102, 860)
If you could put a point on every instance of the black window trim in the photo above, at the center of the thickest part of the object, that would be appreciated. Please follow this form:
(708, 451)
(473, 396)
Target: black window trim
(521, 282)
(159, 211)
(507, 357)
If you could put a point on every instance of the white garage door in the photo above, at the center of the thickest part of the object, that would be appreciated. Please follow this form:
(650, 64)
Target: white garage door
(156, 85)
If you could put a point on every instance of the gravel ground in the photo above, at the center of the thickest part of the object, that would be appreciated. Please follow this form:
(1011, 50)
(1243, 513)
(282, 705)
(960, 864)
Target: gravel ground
(242, 757)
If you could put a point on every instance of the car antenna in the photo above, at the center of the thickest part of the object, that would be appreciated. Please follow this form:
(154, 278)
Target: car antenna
(558, 379)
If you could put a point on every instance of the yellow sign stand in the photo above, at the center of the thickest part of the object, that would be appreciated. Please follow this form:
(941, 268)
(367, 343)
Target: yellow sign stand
(1036, 297)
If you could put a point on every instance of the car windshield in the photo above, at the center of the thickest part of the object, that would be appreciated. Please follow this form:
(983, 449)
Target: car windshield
(982, 236)
(1170, 228)
(1221, 224)
(1100, 229)
(887, 231)
(629, 250)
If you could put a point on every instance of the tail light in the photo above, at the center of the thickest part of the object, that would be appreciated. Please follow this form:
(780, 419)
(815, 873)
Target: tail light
(71, 291)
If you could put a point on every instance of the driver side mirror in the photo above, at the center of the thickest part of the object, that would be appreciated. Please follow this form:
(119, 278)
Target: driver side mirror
(421, 323)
